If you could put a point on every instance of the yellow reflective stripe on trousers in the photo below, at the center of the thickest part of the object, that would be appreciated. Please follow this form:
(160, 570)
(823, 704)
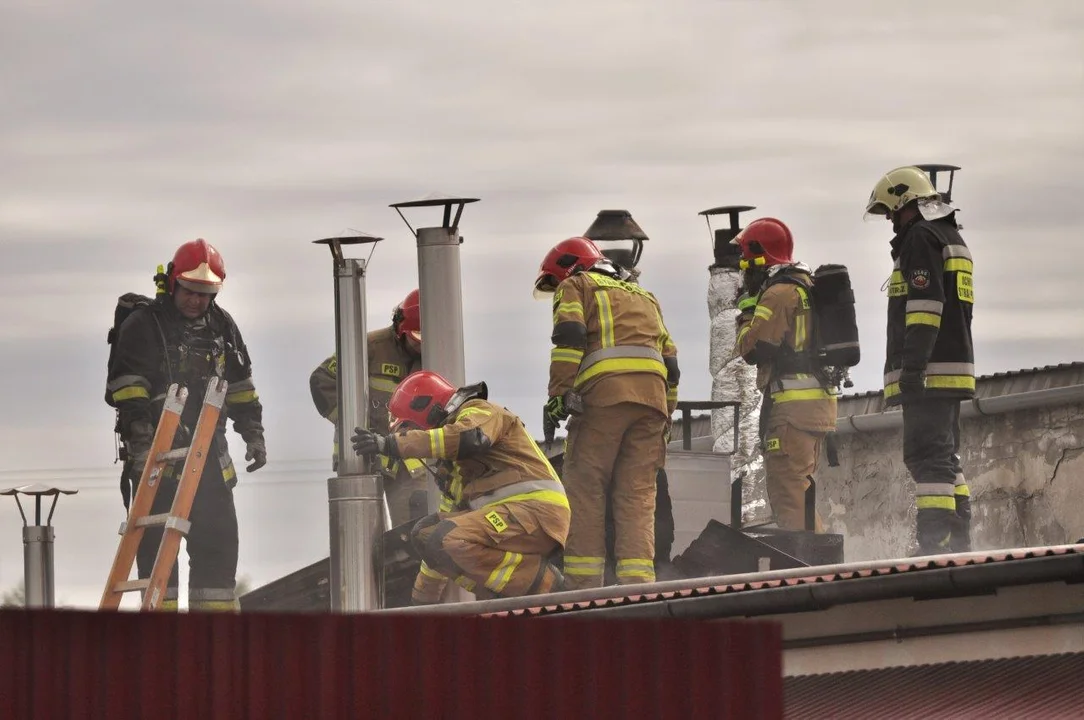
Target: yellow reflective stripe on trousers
(935, 502)
(797, 395)
(498, 579)
(566, 354)
(637, 567)
(960, 487)
(430, 572)
(584, 565)
(242, 397)
(130, 393)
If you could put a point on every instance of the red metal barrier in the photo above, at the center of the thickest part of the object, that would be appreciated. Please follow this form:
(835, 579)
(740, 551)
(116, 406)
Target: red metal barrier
(67, 664)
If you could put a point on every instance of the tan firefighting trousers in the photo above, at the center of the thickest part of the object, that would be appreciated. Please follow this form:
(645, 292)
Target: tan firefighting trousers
(496, 551)
(790, 458)
(617, 451)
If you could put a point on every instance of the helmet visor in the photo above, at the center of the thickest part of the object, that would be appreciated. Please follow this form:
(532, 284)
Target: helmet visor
(876, 210)
(544, 286)
(204, 288)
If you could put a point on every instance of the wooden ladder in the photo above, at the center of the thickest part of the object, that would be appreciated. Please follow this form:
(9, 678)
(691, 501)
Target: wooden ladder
(175, 523)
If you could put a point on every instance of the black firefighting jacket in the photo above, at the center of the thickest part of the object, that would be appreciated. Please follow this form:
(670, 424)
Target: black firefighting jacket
(157, 346)
(930, 301)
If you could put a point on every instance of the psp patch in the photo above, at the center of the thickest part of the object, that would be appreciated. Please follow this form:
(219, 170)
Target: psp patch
(920, 279)
(496, 521)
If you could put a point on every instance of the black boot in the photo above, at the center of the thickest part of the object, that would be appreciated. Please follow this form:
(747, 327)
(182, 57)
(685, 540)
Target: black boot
(961, 526)
(935, 527)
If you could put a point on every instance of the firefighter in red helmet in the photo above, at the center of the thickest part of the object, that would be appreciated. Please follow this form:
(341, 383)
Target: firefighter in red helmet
(614, 376)
(503, 511)
(775, 333)
(394, 352)
(185, 337)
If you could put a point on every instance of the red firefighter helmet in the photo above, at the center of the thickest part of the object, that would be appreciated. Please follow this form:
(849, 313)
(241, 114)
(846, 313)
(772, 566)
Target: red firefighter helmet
(407, 317)
(197, 266)
(419, 400)
(567, 257)
(765, 242)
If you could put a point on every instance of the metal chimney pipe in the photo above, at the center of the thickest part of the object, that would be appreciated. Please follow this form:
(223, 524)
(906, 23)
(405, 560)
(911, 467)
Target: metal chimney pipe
(441, 296)
(440, 292)
(356, 504)
(38, 579)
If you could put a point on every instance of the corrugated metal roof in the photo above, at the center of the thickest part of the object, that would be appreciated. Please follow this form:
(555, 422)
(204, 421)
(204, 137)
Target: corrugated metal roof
(62, 664)
(698, 587)
(1045, 686)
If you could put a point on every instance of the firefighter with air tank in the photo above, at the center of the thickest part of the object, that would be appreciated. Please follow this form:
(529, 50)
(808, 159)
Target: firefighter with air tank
(781, 332)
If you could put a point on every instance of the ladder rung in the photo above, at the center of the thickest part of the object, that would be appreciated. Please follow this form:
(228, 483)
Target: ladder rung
(130, 585)
(169, 522)
(152, 520)
(174, 455)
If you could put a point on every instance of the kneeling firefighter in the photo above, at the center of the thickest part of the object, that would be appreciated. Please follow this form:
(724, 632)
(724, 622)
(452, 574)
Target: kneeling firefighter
(776, 332)
(503, 512)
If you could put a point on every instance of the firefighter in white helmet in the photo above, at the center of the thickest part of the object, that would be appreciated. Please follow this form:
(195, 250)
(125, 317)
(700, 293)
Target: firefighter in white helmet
(929, 364)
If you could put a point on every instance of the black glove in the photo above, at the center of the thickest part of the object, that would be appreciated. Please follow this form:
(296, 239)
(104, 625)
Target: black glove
(140, 439)
(912, 383)
(256, 451)
(549, 429)
(367, 442)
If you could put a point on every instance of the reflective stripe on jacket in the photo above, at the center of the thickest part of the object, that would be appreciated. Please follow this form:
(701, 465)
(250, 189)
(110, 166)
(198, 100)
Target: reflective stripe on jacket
(606, 329)
(931, 296)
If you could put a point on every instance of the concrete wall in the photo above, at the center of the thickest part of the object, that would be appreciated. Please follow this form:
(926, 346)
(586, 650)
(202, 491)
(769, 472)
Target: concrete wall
(1025, 470)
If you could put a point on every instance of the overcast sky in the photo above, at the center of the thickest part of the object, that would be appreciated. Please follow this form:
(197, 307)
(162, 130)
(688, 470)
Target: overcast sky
(127, 129)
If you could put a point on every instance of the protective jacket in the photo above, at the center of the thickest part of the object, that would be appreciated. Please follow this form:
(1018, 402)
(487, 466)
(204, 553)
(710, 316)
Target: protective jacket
(779, 339)
(930, 301)
(488, 458)
(611, 344)
(389, 363)
(157, 346)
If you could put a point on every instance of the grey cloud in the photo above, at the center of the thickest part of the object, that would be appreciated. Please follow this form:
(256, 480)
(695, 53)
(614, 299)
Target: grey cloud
(129, 130)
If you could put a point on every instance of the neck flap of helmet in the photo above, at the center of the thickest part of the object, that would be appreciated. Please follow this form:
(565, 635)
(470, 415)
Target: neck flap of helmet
(605, 266)
(478, 391)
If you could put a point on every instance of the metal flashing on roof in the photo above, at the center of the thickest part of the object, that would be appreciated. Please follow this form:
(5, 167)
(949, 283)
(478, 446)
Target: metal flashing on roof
(798, 589)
